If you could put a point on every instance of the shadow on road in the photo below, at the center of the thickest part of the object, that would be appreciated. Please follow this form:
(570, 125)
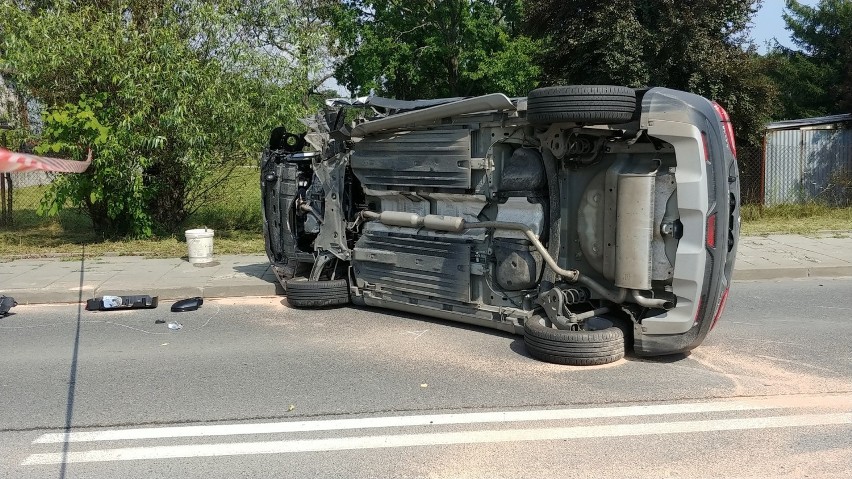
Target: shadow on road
(667, 359)
(419, 318)
(517, 346)
(257, 270)
(72, 377)
(262, 271)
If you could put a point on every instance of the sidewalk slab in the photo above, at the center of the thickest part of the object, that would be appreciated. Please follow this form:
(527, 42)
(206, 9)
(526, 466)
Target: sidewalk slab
(793, 256)
(834, 247)
(60, 280)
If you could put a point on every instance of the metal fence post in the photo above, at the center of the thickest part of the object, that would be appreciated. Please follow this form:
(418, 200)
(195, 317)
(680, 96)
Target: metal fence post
(763, 153)
(5, 178)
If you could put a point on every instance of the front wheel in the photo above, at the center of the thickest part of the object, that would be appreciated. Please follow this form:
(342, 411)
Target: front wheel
(575, 348)
(317, 294)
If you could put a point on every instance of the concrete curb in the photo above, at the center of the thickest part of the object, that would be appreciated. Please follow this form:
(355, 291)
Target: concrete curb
(753, 274)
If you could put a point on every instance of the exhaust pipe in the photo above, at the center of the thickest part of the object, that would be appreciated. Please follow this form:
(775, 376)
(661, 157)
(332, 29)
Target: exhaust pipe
(456, 224)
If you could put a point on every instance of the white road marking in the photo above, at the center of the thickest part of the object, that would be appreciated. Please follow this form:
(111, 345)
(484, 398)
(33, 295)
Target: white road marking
(768, 402)
(402, 421)
(417, 334)
(435, 439)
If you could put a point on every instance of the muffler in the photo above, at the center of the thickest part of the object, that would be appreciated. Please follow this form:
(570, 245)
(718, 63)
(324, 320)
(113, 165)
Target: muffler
(634, 230)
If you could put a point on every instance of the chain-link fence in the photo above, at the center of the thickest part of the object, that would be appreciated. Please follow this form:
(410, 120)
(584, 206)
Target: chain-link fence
(22, 194)
(232, 205)
(801, 174)
(750, 160)
(798, 167)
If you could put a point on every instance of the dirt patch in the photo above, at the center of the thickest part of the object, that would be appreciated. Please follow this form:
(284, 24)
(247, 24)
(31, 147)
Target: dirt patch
(278, 302)
(828, 464)
(762, 375)
(442, 347)
(271, 311)
(469, 461)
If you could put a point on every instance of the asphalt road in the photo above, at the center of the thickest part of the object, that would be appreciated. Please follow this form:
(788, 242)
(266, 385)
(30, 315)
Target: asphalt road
(252, 388)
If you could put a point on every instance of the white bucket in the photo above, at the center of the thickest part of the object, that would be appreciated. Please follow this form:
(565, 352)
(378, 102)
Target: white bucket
(200, 245)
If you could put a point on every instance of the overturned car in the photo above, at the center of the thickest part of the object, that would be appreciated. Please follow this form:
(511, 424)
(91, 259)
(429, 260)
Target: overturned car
(580, 216)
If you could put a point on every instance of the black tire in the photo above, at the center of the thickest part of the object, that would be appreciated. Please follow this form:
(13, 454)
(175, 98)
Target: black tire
(317, 294)
(575, 348)
(594, 104)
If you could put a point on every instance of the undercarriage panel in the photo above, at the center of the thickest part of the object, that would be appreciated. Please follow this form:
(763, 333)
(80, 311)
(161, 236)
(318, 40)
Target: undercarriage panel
(432, 268)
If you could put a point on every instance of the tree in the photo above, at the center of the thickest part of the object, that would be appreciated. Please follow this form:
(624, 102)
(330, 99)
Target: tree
(187, 89)
(435, 48)
(803, 84)
(695, 46)
(816, 78)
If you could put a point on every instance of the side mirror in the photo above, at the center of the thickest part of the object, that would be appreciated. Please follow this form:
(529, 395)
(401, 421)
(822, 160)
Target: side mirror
(6, 303)
(189, 304)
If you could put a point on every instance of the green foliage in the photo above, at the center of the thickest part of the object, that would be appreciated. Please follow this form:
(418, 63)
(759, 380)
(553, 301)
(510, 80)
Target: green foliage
(111, 190)
(701, 48)
(186, 88)
(434, 49)
(816, 79)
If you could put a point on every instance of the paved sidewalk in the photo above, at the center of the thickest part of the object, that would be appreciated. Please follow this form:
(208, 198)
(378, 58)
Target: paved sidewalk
(67, 280)
(59, 280)
(794, 256)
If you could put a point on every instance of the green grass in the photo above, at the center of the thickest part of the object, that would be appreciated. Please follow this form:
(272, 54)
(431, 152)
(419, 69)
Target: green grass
(233, 212)
(234, 205)
(52, 241)
(804, 219)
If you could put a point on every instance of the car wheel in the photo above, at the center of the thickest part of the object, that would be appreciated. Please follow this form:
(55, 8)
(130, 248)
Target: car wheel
(595, 104)
(575, 348)
(317, 294)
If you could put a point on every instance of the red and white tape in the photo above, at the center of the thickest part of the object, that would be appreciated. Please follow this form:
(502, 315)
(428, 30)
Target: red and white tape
(12, 161)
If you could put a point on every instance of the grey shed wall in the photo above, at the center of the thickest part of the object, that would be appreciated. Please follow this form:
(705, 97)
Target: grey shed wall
(812, 163)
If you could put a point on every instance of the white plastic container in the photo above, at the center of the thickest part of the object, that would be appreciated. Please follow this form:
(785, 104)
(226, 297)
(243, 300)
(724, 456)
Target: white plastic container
(200, 245)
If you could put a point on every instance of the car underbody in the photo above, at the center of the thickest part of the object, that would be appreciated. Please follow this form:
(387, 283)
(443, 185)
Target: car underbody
(579, 216)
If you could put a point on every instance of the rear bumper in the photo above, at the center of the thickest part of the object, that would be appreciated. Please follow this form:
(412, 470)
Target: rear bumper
(705, 187)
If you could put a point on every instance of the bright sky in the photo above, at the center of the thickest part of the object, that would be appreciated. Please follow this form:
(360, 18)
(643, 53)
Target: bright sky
(768, 24)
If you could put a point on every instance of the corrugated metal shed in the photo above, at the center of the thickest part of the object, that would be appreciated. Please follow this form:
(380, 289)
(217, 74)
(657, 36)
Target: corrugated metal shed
(831, 121)
(809, 160)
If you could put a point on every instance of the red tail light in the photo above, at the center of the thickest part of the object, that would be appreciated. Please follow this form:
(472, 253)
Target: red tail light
(706, 144)
(711, 230)
(729, 127)
(722, 303)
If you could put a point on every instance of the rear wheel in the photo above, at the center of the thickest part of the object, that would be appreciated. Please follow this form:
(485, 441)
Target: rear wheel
(575, 348)
(317, 294)
(594, 104)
